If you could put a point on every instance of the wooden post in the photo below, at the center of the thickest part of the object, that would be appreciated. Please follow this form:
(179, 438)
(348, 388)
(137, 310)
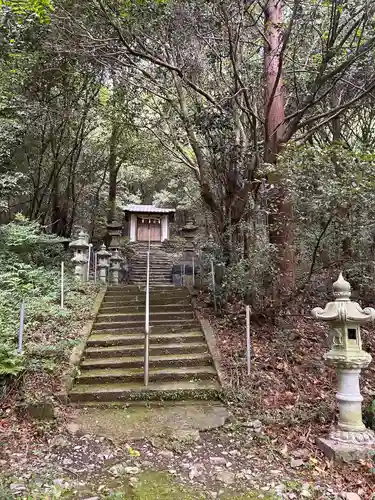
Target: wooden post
(20, 332)
(193, 271)
(248, 340)
(95, 266)
(213, 284)
(89, 263)
(62, 286)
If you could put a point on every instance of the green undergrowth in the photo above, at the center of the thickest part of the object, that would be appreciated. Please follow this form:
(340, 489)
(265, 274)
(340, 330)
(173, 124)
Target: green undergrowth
(30, 272)
(162, 486)
(147, 486)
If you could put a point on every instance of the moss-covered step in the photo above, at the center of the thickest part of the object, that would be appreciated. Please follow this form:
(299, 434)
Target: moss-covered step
(163, 291)
(137, 349)
(156, 391)
(139, 328)
(141, 300)
(154, 323)
(140, 315)
(117, 375)
(133, 338)
(155, 361)
(137, 307)
(163, 273)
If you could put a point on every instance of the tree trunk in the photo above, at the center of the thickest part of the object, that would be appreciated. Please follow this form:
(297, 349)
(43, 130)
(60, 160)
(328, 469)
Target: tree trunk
(113, 169)
(281, 221)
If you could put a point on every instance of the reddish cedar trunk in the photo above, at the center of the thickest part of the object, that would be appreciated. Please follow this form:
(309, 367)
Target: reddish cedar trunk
(281, 223)
(274, 98)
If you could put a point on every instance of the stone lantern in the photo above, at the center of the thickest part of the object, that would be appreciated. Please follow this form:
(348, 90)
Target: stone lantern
(189, 232)
(103, 263)
(349, 438)
(114, 230)
(114, 270)
(80, 258)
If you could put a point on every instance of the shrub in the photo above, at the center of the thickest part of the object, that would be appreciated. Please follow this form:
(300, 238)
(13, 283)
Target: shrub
(30, 272)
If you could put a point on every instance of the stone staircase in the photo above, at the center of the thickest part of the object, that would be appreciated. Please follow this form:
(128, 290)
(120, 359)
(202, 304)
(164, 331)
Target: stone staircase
(180, 366)
(160, 265)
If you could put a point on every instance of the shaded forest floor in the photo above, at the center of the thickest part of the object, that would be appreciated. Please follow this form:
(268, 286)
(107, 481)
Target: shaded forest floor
(265, 449)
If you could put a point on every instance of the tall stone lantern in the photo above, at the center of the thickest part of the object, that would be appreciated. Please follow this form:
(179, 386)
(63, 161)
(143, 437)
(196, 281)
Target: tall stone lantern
(114, 270)
(80, 248)
(114, 230)
(103, 263)
(350, 437)
(189, 232)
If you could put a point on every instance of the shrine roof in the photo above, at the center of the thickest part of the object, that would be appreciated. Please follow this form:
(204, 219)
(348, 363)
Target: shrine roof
(149, 209)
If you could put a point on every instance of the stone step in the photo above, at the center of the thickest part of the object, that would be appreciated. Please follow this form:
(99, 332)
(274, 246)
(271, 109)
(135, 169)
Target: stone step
(170, 292)
(162, 272)
(141, 301)
(122, 288)
(121, 308)
(130, 325)
(133, 338)
(154, 329)
(122, 375)
(153, 281)
(137, 349)
(155, 361)
(156, 261)
(153, 277)
(165, 291)
(153, 269)
(140, 316)
(154, 264)
(154, 294)
(154, 298)
(155, 391)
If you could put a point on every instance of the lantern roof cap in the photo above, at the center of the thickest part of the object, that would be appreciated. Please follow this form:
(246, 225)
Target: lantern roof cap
(81, 242)
(189, 226)
(114, 225)
(343, 309)
(342, 288)
(103, 252)
(116, 257)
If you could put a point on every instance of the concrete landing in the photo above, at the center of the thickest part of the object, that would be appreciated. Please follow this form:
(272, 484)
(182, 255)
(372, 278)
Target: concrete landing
(123, 424)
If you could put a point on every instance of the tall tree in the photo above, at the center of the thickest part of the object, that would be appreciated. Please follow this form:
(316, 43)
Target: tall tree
(203, 64)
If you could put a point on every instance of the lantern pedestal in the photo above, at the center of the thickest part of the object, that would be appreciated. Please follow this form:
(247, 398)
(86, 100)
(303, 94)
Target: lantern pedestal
(349, 439)
(103, 264)
(344, 452)
(350, 407)
(79, 267)
(115, 267)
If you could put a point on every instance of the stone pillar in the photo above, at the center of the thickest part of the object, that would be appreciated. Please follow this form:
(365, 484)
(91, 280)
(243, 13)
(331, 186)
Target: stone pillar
(114, 270)
(103, 263)
(80, 248)
(350, 438)
(349, 400)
